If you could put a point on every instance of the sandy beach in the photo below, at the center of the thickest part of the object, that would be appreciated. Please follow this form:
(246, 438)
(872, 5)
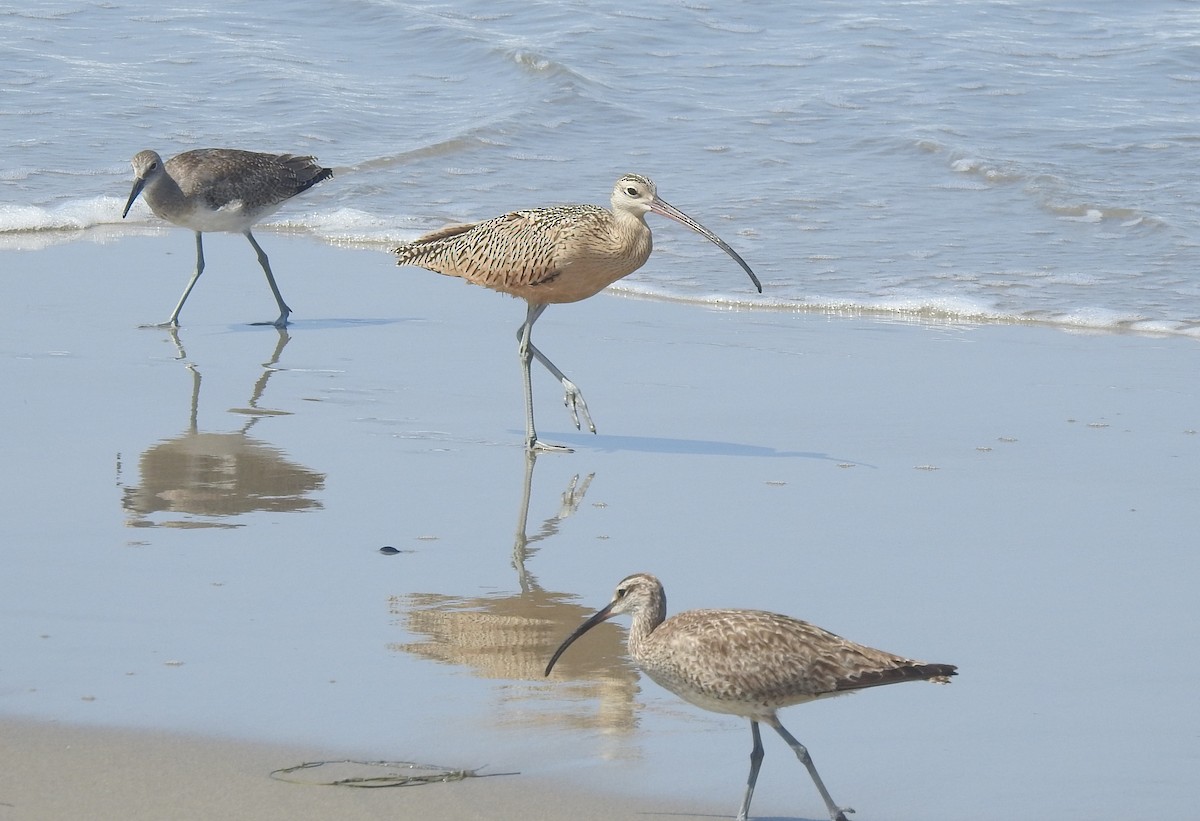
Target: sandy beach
(194, 595)
(54, 772)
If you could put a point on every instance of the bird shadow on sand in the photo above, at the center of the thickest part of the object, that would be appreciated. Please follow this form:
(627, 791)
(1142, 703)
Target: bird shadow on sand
(695, 447)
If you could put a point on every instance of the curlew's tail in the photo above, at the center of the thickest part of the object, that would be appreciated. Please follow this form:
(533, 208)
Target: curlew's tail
(429, 247)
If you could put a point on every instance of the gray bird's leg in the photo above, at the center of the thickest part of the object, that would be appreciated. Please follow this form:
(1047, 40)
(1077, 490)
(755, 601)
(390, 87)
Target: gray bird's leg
(173, 322)
(284, 310)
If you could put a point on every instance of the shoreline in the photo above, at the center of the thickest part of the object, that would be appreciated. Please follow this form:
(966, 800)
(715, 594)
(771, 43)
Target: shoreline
(926, 315)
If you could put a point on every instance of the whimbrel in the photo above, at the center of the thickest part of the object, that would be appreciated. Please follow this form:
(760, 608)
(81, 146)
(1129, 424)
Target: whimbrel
(222, 189)
(749, 663)
(553, 255)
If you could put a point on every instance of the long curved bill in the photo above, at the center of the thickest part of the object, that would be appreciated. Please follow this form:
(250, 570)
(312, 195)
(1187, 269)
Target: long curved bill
(133, 195)
(583, 628)
(664, 208)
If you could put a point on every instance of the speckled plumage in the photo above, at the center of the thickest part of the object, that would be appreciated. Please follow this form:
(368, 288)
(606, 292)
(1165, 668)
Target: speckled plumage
(554, 255)
(222, 189)
(749, 663)
(544, 255)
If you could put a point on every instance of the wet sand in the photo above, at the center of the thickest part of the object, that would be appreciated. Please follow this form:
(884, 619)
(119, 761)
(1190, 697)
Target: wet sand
(192, 548)
(54, 772)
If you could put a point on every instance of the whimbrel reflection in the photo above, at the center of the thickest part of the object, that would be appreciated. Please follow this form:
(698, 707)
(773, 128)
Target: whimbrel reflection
(512, 636)
(217, 476)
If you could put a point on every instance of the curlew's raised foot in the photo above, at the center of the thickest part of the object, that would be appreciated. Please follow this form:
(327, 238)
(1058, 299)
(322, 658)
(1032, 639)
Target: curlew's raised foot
(573, 399)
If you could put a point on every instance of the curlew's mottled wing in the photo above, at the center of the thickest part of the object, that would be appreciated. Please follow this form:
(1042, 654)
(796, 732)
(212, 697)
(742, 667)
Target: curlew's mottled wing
(224, 176)
(512, 251)
(792, 661)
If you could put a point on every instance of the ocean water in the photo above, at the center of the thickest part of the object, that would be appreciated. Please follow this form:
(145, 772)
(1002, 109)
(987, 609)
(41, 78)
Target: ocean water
(940, 160)
(194, 518)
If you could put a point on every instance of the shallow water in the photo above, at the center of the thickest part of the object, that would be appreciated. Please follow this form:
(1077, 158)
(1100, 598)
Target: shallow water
(194, 523)
(1013, 161)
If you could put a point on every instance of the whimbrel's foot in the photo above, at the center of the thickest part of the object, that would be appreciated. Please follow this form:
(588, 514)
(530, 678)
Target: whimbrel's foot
(170, 323)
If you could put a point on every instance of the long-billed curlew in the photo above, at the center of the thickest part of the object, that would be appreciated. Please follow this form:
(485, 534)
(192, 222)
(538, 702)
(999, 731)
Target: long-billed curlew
(749, 663)
(222, 189)
(551, 255)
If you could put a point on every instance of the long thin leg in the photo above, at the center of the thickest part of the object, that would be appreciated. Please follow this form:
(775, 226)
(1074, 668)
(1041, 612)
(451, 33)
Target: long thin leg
(526, 351)
(836, 813)
(572, 396)
(756, 757)
(173, 322)
(284, 310)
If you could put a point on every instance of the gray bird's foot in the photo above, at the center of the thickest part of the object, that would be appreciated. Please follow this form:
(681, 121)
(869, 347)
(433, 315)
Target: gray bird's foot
(840, 815)
(573, 399)
(170, 323)
(280, 323)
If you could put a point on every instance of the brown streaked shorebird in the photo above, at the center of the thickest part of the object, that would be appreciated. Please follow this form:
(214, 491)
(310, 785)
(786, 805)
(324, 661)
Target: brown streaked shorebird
(222, 189)
(553, 255)
(749, 663)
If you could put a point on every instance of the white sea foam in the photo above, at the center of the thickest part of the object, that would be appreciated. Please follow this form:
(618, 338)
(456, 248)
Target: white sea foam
(965, 182)
(70, 215)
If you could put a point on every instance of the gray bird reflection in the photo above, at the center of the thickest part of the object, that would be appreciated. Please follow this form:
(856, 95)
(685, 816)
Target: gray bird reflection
(217, 476)
(512, 636)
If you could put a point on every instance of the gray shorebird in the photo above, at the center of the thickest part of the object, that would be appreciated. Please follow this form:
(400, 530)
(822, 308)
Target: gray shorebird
(749, 663)
(553, 255)
(222, 189)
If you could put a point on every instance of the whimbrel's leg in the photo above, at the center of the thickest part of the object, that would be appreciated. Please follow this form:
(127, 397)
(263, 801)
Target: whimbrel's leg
(836, 813)
(284, 310)
(173, 322)
(526, 351)
(756, 757)
(572, 396)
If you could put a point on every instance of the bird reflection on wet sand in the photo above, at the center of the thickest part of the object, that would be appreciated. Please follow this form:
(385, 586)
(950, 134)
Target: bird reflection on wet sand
(217, 476)
(510, 636)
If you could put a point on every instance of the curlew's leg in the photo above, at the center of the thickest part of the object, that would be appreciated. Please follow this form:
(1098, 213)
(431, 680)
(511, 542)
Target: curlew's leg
(572, 396)
(284, 310)
(756, 757)
(526, 351)
(836, 813)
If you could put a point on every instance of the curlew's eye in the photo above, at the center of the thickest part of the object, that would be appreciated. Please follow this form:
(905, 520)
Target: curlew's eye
(621, 591)
(631, 191)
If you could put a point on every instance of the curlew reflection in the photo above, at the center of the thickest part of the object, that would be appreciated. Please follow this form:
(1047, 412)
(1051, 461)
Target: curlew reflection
(217, 476)
(512, 636)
